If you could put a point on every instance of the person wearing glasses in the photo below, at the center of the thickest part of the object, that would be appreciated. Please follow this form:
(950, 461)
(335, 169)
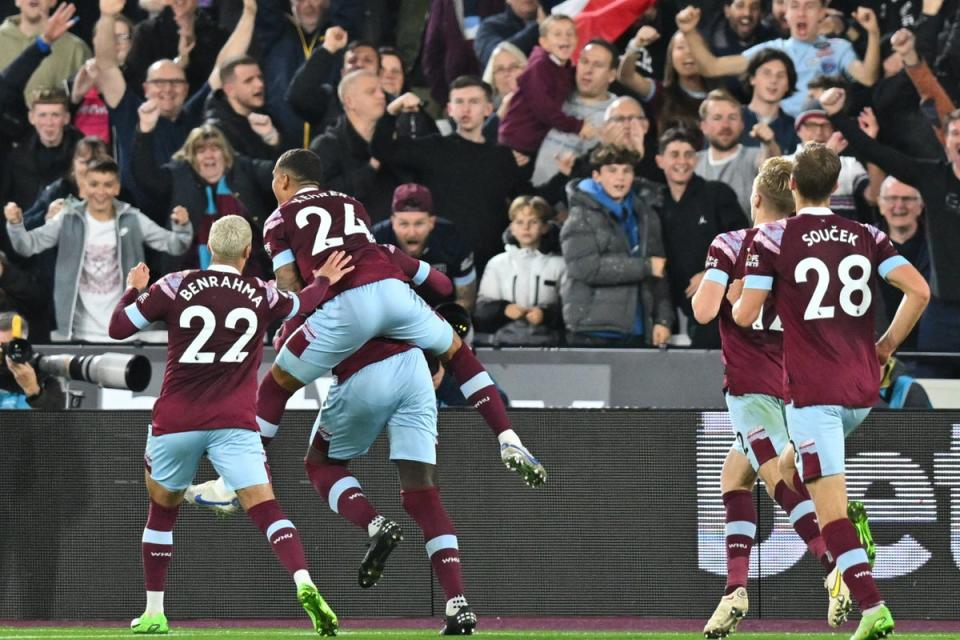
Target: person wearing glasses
(901, 208)
(165, 87)
(856, 187)
(624, 125)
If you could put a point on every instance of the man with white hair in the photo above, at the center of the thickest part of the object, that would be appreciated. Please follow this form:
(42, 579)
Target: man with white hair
(344, 149)
(210, 382)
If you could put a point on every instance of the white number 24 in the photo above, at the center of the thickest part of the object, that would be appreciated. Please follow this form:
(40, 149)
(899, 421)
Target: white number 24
(351, 225)
(193, 354)
(850, 285)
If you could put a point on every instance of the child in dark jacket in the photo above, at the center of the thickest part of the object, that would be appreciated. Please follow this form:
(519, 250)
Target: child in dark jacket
(542, 89)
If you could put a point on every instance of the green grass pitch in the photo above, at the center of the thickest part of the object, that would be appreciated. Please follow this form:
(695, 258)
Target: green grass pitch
(93, 633)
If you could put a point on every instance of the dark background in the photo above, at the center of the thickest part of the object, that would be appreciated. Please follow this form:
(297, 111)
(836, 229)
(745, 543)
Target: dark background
(614, 532)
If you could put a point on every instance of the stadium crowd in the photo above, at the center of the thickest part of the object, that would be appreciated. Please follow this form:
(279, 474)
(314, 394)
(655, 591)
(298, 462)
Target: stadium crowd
(566, 164)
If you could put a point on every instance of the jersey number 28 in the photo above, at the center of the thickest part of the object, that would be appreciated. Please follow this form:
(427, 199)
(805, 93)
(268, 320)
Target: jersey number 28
(351, 225)
(193, 354)
(851, 285)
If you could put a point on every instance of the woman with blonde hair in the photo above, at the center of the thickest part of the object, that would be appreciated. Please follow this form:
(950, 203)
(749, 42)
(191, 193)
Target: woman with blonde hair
(505, 65)
(210, 180)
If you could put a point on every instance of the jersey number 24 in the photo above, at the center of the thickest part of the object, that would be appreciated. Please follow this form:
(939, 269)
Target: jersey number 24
(351, 225)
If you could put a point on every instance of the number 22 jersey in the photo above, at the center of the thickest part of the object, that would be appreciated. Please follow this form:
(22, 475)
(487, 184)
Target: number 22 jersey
(823, 269)
(216, 320)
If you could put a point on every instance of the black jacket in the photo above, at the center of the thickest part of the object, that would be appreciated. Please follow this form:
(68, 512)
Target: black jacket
(236, 128)
(31, 167)
(346, 168)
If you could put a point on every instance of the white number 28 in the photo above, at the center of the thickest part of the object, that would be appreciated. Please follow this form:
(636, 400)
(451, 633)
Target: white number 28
(850, 283)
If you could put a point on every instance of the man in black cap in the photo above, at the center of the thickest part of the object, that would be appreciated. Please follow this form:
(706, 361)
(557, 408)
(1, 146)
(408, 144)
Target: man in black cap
(418, 232)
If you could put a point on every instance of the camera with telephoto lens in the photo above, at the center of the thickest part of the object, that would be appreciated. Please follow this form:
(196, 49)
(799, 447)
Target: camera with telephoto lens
(111, 370)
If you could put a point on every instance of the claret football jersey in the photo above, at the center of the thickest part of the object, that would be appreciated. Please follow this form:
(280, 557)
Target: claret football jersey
(822, 269)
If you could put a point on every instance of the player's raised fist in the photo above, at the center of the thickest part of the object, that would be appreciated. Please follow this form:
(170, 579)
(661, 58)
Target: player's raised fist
(111, 7)
(335, 267)
(334, 39)
(832, 100)
(12, 213)
(180, 215)
(688, 19)
(149, 113)
(138, 277)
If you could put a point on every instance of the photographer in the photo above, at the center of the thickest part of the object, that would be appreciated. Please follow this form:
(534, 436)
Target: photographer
(20, 385)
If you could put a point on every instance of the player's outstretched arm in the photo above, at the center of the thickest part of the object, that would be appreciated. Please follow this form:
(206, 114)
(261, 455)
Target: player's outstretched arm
(916, 295)
(747, 309)
(122, 325)
(423, 277)
(707, 299)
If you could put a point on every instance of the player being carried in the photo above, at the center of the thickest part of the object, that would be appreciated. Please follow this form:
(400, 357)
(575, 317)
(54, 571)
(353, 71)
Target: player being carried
(753, 385)
(823, 269)
(374, 300)
(217, 320)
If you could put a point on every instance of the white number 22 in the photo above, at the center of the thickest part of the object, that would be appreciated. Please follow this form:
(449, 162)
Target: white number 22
(850, 285)
(193, 354)
(351, 225)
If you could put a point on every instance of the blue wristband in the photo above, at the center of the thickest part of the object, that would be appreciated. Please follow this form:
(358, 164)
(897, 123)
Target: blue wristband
(43, 46)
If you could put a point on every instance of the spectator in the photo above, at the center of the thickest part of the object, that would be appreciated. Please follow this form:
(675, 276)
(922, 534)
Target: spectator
(98, 240)
(21, 385)
(88, 150)
(854, 196)
(771, 77)
(165, 86)
(519, 300)
(693, 211)
(518, 25)
(776, 20)
(725, 159)
(309, 94)
(901, 208)
(45, 153)
(237, 110)
(210, 181)
(812, 54)
(504, 67)
(624, 125)
(596, 71)
(179, 30)
(471, 180)
(615, 293)
(675, 102)
(446, 54)
(344, 149)
(92, 116)
(938, 182)
(737, 28)
(287, 42)
(542, 89)
(410, 124)
(20, 32)
(415, 228)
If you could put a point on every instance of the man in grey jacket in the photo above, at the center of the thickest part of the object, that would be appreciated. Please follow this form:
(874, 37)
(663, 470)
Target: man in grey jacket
(615, 293)
(98, 240)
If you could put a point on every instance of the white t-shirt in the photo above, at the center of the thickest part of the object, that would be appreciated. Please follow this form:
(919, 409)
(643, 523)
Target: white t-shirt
(100, 284)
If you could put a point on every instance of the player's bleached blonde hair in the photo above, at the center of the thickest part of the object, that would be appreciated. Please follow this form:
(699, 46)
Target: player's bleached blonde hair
(229, 237)
(773, 184)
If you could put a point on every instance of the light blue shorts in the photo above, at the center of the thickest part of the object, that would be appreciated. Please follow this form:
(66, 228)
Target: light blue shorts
(396, 393)
(759, 425)
(236, 454)
(818, 433)
(387, 308)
